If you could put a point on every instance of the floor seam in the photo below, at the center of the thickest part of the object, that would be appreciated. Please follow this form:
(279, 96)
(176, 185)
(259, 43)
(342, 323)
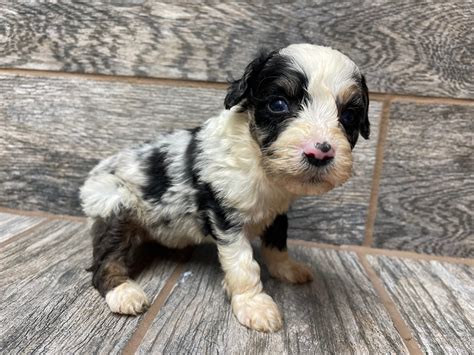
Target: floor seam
(312, 244)
(383, 252)
(140, 332)
(408, 255)
(399, 323)
(42, 214)
(117, 78)
(432, 100)
(376, 176)
(181, 82)
(299, 242)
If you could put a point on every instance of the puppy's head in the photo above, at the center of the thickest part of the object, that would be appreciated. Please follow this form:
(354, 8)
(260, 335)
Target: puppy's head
(307, 106)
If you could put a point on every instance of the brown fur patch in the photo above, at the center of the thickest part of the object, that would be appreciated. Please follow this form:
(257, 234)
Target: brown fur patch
(346, 95)
(116, 242)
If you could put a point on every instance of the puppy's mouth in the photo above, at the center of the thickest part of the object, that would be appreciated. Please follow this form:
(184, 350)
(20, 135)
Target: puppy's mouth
(316, 174)
(317, 162)
(306, 167)
(324, 170)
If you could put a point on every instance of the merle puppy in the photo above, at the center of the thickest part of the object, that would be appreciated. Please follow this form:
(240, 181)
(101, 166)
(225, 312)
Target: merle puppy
(288, 129)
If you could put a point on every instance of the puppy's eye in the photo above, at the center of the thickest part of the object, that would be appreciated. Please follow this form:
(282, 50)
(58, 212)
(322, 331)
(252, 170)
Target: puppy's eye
(347, 117)
(278, 106)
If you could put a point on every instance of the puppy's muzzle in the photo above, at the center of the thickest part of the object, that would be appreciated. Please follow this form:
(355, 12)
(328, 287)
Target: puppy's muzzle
(319, 154)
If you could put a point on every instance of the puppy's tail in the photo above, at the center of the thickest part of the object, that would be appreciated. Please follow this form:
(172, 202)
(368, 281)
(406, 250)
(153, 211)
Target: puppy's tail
(101, 196)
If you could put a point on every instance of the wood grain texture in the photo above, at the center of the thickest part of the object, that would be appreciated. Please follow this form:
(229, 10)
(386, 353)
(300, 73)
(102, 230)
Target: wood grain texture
(338, 313)
(426, 197)
(339, 216)
(435, 299)
(53, 139)
(11, 225)
(58, 129)
(48, 303)
(409, 47)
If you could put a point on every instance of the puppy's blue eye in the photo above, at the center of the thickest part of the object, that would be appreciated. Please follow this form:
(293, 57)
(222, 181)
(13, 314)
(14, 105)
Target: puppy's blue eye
(347, 117)
(278, 106)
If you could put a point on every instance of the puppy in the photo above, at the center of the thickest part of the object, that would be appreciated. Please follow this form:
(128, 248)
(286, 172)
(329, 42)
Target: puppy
(288, 129)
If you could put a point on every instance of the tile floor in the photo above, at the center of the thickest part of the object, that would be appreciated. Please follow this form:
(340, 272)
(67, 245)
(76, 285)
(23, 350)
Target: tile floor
(362, 300)
(392, 250)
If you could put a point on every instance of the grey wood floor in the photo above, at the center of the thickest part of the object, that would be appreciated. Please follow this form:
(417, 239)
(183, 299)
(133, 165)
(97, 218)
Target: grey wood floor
(49, 306)
(392, 250)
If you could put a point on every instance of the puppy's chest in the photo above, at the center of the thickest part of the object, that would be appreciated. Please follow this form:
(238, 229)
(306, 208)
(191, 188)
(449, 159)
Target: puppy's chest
(264, 206)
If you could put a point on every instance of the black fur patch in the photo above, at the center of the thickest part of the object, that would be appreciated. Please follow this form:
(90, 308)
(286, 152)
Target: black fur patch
(359, 107)
(276, 234)
(267, 78)
(158, 181)
(364, 123)
(206, 199)
(277, 80)
(192, 151)
(239, 90)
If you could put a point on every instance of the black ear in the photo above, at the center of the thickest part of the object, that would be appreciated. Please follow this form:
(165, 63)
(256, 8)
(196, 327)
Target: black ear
(239, 90)
(364, 123)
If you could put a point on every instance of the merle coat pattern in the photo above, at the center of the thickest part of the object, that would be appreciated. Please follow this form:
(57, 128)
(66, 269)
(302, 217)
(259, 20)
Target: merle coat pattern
(288, 129)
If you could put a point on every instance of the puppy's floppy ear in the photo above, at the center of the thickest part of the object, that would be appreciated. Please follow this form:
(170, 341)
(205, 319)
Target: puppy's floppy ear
(364, 123)
(239, 90)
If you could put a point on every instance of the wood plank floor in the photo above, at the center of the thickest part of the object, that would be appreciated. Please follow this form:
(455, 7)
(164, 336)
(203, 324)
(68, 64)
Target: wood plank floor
(411, 47)
(49, 306)
(48, 303)
(156, 66)
(337, 312)
(11, 225)
(426, 194)
(51, 144)
(435, 299)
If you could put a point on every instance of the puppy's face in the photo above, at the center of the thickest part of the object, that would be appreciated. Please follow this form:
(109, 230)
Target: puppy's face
(307, 106)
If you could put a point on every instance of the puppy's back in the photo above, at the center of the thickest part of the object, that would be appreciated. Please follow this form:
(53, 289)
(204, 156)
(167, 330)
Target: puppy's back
(122, 180)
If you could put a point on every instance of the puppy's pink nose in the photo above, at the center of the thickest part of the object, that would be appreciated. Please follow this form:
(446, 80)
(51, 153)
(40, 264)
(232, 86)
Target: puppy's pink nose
(319, 150)
(319, 153)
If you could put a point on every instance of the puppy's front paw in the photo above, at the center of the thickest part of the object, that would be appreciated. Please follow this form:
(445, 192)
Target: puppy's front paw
(127, 298)
(291, 271)
(257, 312)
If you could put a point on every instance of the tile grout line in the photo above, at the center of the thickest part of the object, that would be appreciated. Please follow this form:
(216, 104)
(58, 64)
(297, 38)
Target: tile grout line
(310, 244)
(377, 96)
(20, 235)
(116, 78)
(43, 214)
(299, 242)
(139, 334)
(432, 100)
(378, 166)
(383, 252)
(407, 255)
(399, 323)
(421, 100)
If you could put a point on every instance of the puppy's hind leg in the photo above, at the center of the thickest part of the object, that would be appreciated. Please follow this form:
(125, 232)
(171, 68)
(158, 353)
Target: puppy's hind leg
(275, 254)
(115, 242)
